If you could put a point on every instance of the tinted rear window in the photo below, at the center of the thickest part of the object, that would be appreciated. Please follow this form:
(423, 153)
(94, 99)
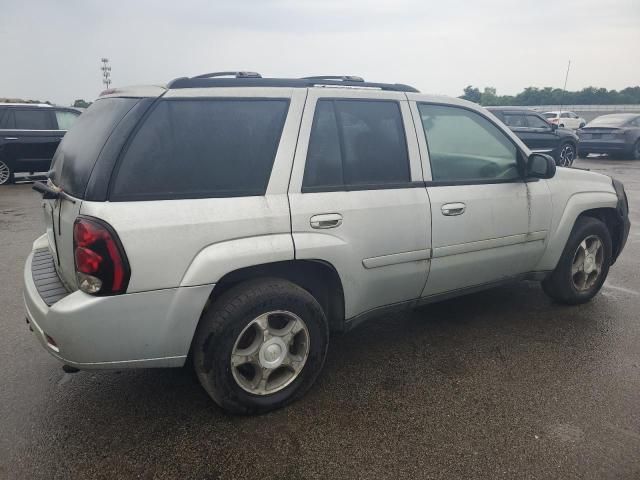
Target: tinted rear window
(202, 148)
(610, 120)
(549, 115)
(356, 143)
(80, 147)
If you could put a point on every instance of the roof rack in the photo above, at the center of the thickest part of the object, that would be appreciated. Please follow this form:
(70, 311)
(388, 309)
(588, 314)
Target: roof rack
(230, 74)
(343, 78)
(252, 79)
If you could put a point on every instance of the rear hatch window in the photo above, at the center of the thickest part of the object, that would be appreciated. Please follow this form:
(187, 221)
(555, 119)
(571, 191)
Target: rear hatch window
(77, 154)
(196, 148)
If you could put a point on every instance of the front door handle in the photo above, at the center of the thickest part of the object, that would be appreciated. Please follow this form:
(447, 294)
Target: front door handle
(326, 220)
(453, 209)
(11, 138)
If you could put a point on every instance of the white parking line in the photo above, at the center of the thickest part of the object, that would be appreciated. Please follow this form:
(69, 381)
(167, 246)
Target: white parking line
(621, 289)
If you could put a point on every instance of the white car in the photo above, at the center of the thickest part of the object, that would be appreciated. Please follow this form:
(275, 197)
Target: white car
(237, 221)
(565, 119)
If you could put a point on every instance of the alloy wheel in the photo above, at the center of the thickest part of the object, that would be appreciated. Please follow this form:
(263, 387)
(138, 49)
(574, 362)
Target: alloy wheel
(567, 155)
(587, 263)
(5, 173)
(270, 352)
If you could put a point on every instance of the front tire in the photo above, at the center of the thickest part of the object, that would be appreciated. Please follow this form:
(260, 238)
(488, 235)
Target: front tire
(6, 174)
(260, 346)
(584, 264)
(566, 155)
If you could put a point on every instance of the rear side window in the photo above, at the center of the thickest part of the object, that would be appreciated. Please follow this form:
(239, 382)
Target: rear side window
(550, 115)
(515, 120)
(202, 148)
(33, 119)
(77, 153)
(536, 122)
(356, 143)
(6, 118)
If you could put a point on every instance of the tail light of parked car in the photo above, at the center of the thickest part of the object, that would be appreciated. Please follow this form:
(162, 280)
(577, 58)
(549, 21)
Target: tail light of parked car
(554, 120)
(101, 263)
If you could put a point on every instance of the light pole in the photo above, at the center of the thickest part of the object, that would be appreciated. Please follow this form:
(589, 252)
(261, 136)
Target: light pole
(106, 72)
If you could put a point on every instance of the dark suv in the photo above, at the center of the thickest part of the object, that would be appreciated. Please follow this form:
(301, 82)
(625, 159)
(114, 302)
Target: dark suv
(538, 134)
(29, 136)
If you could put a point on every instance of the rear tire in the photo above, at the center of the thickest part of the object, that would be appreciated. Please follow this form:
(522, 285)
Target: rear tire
(635, 151)
(6, 174)
(584, 264)
(245, 352)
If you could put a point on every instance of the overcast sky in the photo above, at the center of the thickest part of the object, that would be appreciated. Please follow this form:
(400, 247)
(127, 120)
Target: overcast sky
(51, 50)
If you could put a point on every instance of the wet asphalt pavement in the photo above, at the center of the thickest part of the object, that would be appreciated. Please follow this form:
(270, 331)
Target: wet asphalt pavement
(499, 384)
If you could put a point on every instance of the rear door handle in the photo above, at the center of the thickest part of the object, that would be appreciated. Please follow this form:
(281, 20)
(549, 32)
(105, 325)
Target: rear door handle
(11, 138)
(326, 220)
(453, 209)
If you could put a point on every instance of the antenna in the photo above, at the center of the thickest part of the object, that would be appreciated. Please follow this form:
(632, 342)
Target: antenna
(106, 72)
(566, 77)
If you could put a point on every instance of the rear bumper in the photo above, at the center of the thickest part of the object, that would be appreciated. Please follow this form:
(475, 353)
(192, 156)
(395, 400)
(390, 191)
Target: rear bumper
(148, 329)
(599, 146)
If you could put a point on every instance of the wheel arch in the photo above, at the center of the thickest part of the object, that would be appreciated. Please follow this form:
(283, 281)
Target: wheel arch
(614, 224)
(599, 204)
(318, 277)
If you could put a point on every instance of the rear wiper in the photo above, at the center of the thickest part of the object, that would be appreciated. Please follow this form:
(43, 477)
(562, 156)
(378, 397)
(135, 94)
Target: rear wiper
(50, 193)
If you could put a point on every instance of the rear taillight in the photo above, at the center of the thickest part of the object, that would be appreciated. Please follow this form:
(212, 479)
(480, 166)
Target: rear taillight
(555, 120)
(101, 264)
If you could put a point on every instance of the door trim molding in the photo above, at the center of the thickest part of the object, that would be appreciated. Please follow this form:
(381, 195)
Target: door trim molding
(395, 258)
(461, 248)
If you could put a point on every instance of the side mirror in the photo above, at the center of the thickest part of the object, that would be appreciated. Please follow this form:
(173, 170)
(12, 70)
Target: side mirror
(540, 165)
(554, 127)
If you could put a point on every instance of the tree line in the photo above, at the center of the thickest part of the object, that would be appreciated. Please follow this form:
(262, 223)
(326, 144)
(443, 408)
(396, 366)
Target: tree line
(553, 96)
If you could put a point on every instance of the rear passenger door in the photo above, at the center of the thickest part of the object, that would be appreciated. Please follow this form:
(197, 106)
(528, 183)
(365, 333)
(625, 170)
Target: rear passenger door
(357, 196)
(544, 138)
(488, 224)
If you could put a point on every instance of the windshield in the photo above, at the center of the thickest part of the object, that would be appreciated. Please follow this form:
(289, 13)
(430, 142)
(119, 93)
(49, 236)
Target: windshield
(77, 154)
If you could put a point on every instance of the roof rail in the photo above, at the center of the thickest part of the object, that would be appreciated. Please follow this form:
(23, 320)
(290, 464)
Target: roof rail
(250, 79)
(343, 78)
(229, 74)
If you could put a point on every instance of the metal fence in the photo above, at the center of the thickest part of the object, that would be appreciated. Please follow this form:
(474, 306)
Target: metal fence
(589, 112)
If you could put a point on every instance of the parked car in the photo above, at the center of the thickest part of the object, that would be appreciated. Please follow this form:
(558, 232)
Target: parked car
(617, 134)
(29, 136)
(565, 119)
(237, 221)
(539, 135)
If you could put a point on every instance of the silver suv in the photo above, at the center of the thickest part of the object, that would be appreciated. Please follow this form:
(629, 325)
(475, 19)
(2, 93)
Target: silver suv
(234, 221)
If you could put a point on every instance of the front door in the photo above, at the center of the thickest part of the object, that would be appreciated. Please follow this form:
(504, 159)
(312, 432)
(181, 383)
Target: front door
(487, 223)
(357, 197)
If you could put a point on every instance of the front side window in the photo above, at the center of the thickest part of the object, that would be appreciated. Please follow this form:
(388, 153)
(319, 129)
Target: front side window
(32, 119)
(202, 148)
(65, 119)
(536, 122)
(356, 143)
(465, 146)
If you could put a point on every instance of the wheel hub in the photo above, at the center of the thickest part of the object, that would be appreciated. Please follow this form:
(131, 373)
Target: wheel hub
(589, 263)
(272, 353)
